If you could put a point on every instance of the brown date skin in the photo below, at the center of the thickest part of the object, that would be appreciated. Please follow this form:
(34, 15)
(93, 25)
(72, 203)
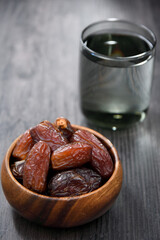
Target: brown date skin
(101, 159)
(47, 123)
(73, 183)
(92, 178)
(46, 132)
(71, 155)
(36, 167)
(64, 127)
(23, 146)
(17, 169)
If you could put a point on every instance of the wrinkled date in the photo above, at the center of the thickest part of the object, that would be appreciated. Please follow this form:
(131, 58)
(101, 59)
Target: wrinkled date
(17, 169)
(48, 124)
(71, 155)
(36, 167)
(92, 178)
(101, 159)
(64, 127)
(46, 132)
(73, 183)
(23, 146)
(52, 159)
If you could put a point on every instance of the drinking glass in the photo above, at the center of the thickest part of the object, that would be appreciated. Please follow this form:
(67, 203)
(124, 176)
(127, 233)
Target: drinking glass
(116, 68)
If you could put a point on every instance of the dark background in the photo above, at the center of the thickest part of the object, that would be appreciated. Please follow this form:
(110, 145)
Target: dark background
(39, 50)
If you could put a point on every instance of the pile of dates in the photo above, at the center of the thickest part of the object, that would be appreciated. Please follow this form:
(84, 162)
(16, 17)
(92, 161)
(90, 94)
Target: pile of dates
(54, 159)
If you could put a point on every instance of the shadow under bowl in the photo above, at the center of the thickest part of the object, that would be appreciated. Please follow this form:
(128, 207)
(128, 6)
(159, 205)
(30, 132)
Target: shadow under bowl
(62, 211)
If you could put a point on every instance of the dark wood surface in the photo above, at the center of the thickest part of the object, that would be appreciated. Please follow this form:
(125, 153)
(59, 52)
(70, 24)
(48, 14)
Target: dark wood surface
(39, 49)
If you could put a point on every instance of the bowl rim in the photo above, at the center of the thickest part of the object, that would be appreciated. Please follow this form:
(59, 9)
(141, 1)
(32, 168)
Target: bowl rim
(110, 147)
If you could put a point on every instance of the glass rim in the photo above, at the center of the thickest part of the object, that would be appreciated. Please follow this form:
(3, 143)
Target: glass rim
(119, 59)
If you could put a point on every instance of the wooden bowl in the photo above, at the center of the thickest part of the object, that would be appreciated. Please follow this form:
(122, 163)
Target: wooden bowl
(62, 211)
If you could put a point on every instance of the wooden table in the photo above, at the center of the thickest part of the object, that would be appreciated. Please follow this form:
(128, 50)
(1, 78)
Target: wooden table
(39, 80)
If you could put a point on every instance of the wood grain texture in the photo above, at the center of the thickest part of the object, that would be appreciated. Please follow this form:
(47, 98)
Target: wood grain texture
(39, 80)
(64, 211)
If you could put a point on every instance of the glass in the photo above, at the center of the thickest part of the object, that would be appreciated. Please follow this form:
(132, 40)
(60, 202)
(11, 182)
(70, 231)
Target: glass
(116, 68)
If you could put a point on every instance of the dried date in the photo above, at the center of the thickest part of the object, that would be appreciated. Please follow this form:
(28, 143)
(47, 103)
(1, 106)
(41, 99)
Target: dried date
(46, 132)
(17, 169)
(92, 178)
(101, 159)
(64, 127)
(23, 146)
(36, 167)
(73, 183)
(71, 155)
(48, 124)
(67, 150)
